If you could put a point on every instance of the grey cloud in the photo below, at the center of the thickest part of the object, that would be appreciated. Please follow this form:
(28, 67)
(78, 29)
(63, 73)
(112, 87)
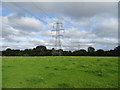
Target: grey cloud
(77, 33)
(73, 9)
(106, 28)
(22, 25)
(9, 33)
(82, 9)
(71, 33)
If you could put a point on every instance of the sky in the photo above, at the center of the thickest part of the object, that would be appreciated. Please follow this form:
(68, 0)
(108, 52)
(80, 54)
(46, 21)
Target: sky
(26, 25)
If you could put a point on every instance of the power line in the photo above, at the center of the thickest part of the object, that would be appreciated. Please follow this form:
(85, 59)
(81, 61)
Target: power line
(41, 10)
(56, 26)
(28, 12)
(45, 13)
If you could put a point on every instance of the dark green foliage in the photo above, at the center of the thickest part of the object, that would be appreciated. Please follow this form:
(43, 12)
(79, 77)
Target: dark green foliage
(91, 49)
(43, 51)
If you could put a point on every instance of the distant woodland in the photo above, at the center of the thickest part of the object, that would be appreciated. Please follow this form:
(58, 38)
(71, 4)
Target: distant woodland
(43, 51)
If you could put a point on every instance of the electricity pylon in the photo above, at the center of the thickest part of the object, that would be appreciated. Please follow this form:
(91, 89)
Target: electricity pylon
(57, 28)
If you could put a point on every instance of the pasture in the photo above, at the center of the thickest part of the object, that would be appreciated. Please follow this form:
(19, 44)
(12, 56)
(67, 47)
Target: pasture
(60, 72)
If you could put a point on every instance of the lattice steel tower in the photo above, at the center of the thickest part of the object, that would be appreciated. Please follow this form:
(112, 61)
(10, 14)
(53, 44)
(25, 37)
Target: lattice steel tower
(57, 28)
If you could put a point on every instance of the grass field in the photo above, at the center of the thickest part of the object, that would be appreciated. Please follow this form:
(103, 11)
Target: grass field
(60, 72)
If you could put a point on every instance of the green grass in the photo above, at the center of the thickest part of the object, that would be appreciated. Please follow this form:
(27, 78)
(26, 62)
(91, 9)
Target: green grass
(0, 72)
(60, 72)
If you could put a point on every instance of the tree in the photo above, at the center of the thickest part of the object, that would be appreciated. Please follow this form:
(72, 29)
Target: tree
(43, 51)
(117, 51)
(91, 49)
(39, 51)
(81, 52)
(100, 52)
(41, 48)
(7, 52)
(65, 53)
(117, 48)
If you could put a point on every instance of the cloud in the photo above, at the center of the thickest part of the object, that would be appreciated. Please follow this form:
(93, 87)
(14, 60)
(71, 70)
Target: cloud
(77, 33)
(77, 10)
(106, 28)
(72, 9)
(83, 22)
(23, 23)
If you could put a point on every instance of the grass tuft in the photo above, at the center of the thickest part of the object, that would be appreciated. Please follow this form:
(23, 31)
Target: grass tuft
(47, 66)
(55, 68)
(64, 85)
(35, 79)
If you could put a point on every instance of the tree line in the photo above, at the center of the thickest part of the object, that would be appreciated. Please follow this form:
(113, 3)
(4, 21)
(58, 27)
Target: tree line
(43, 51)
